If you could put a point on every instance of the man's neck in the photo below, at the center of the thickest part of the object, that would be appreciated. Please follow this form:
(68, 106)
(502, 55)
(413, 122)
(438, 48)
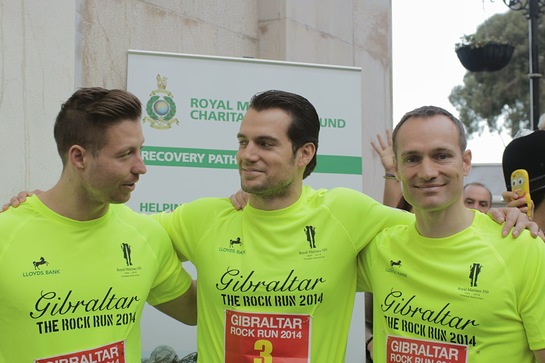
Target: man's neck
(69, 203)
(443, 223)
(271, 203)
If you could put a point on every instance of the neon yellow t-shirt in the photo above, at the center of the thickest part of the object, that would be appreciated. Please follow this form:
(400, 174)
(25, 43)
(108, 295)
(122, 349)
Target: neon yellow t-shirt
(75, 290)
(277, 284)
(473, 294)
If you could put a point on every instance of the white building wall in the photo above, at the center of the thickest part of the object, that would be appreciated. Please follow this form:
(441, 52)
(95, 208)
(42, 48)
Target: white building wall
(36, 74)
(48, 48)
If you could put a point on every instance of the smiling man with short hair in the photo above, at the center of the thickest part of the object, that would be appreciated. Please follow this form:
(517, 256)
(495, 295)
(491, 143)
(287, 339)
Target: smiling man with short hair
(447, 287)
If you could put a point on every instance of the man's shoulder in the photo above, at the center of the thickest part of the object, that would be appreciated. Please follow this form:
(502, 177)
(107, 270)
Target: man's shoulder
(121, 216)
(484, 224)
(396, 233)
(339, 194)
(351, 201)
(490, 231)
(199, 211)
(207, 206)
(211, 202)
(123, 213)
(21, 213)
(122, 209)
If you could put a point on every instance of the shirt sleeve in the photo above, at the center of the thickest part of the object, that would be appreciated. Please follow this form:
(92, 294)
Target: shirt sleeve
(172, 279)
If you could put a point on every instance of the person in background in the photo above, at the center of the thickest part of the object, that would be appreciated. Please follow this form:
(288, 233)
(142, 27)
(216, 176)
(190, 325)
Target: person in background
(477, 196)
(76, 265)
(447, 287)
(527, 152)
(392, 195)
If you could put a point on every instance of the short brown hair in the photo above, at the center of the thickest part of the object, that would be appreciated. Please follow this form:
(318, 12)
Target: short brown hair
(88, 113)
(430, 111)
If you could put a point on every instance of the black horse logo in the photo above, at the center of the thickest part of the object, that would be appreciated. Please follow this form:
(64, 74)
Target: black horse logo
(235, 242)
(41, 261)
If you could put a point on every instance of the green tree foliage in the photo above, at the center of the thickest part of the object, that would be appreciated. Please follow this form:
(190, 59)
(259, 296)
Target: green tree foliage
(487, 97)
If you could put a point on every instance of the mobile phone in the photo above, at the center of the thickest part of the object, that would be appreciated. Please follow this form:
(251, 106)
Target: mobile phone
(520, 184)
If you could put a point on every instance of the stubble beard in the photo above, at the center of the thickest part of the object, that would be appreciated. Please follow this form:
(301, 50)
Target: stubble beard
(266, 191)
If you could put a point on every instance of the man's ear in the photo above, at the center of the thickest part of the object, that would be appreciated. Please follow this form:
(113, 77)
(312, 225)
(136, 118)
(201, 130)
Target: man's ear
(307, 152)
(466, 160)
(77, 156)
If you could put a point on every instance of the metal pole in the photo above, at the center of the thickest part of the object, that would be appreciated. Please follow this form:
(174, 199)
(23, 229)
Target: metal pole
(532, 9)
(533, 19)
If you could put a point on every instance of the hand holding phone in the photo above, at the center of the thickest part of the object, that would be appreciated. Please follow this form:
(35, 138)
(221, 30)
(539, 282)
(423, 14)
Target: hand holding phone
(520, 184)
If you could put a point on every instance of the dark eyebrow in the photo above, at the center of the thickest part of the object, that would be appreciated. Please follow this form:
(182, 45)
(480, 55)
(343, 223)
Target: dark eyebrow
(259, 138)
(267, 138)
(409, 153)
(437, 150)
(442, 149)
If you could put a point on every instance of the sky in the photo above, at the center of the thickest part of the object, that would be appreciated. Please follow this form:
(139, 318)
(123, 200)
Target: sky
(425, 66)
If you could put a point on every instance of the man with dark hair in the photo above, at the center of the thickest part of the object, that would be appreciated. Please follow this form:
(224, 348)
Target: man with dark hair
(477, 196)
(447, 287)
(527, 152)
(303, 127)
(76, 265)
(286, 290)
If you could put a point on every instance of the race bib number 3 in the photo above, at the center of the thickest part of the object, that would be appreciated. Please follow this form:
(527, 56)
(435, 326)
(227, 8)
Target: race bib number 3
(111, 353)
(400, 349)
(266, 338)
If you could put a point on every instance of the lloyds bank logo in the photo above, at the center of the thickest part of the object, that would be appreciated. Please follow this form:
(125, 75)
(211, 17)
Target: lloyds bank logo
(160, 108)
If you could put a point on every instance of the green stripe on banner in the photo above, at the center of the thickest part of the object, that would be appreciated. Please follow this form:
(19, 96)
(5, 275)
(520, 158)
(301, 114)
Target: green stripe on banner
(226, 159)
(196, 158)
(334, 164)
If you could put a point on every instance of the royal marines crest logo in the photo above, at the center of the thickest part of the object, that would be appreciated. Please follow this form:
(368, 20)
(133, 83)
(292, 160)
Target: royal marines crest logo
(161, 108)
